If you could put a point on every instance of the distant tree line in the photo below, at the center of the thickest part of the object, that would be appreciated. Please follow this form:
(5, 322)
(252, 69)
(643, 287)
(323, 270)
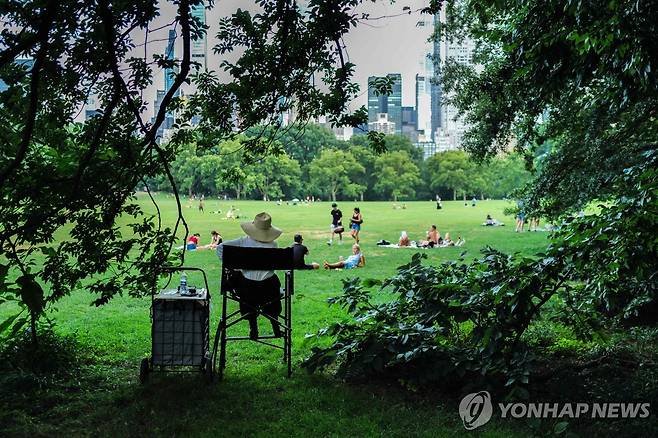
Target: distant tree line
(312, 162)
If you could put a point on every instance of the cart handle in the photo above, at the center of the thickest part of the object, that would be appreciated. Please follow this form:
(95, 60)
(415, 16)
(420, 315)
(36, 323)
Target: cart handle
(171, 269)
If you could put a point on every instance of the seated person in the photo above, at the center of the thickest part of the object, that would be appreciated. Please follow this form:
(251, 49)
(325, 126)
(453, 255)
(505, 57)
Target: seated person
(404, 239)
(433, 237)
(193, 241)
(491, 222)
(299, 252)
(232, 213)
(215, 239)
(257, 289)
(447, 241)
(356, 260)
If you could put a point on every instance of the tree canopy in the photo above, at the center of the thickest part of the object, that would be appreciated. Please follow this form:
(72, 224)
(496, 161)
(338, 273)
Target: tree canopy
(56, 172)
(578, 77)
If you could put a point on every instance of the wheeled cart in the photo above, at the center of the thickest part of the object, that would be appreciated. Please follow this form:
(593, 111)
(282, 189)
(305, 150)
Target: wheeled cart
(180, 333)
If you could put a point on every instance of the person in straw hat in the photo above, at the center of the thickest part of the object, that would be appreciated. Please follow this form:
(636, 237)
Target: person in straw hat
(257, 289)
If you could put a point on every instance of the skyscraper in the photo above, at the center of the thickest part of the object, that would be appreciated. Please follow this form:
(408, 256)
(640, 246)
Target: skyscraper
(424, 106)
(409, 122)
(435, 87)
(200, 45)
(170, 54)
(459, 51)
(386, 104)
(376, 104)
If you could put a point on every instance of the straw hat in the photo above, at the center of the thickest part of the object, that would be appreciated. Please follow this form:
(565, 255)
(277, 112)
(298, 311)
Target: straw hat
(261, 228)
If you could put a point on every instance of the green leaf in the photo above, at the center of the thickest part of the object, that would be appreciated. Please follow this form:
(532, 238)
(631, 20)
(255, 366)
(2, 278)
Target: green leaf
(9, 321)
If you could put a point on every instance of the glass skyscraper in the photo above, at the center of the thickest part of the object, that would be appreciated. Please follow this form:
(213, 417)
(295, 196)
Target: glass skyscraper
(170, 54)
(391, 104)
(199, 46)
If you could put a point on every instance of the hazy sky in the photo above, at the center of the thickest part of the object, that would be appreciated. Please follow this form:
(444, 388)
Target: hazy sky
(377, 47)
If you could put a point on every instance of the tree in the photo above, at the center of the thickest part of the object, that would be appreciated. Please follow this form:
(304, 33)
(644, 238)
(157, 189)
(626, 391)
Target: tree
(580, 76)
(450, 170)
(401, 143)
(276, 175)
(397, 175)
(331, 173)
(366, 179)
(303, 143)
(56, 173)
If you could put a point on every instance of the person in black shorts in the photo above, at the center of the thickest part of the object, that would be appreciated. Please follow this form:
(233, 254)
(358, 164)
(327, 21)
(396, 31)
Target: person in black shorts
(299, 252)
(336, 224)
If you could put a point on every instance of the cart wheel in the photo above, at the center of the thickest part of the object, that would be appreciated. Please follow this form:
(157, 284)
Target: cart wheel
(144, 371)
(206, 369)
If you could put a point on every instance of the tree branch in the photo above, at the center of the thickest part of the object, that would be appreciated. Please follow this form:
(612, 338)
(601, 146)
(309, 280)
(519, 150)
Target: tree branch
(31, 115)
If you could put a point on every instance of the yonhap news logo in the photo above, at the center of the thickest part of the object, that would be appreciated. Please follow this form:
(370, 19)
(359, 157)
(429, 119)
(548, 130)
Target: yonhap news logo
(476, 409)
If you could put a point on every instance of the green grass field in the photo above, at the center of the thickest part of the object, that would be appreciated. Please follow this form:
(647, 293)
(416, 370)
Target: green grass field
(256, 399)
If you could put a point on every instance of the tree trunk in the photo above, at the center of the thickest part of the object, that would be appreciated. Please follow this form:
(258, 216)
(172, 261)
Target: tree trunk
(33, 328)
(333, 196)
(361, 196)
(395, 198)
(454, 194)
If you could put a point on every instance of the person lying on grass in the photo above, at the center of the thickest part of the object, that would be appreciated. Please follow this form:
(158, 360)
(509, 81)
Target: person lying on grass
(356, 260)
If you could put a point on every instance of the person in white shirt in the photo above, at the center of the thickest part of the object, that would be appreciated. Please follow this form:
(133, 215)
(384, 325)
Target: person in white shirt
(257, 289)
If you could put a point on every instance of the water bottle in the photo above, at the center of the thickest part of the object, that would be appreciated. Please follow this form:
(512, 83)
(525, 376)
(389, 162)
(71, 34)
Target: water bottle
(183, 284)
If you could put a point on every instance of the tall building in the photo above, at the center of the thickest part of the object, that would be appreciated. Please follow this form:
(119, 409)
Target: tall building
(424, 107)
(395, 102)
(452, 127)
(382, 124)
(200, 45)
(435, 87)
(92, 106)
(170, 54)
(386, 104)
(409, 122)
(376, 103)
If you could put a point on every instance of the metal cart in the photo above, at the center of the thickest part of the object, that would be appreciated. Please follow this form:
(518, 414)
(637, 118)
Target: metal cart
(180, 330)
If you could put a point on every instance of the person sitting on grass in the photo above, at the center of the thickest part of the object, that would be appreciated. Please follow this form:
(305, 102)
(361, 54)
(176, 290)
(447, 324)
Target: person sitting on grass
(447, 241)
(193, 241)
(404, 239)
(433, 238)
(215, 239)
(299, 252)
(491, 222)
(356, 260)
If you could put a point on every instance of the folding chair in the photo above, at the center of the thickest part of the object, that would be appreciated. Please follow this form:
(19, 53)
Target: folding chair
(262, 259)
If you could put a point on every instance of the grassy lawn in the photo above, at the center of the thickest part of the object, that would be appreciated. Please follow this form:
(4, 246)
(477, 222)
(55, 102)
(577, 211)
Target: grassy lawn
(256, 399)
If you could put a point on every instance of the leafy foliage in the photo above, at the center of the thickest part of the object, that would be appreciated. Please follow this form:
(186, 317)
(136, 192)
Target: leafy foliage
(575, 78)
(452, 322)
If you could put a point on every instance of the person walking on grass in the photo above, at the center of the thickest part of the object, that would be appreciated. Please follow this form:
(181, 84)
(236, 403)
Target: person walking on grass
(520, 217)
(355, 224)
(336, 224)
